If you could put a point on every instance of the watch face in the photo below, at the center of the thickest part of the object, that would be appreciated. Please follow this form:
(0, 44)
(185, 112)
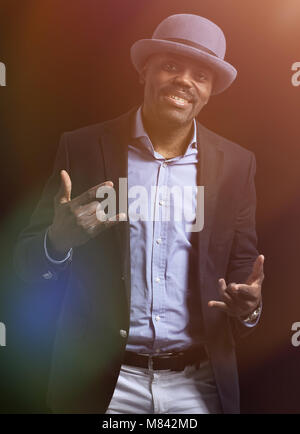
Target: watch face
(255, 314)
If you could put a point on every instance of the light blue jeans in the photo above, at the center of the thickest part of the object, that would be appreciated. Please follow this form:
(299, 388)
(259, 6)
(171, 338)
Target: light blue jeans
(147, 391)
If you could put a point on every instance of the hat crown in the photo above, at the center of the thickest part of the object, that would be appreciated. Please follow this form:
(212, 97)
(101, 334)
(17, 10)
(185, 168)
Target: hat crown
(193, 29)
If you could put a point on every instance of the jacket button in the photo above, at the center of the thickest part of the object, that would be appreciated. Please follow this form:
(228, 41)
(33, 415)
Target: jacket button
(123, 333)
(123, 277)
(48, 275)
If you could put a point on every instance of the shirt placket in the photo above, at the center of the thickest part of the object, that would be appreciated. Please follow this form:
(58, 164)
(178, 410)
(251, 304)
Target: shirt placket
(159, 256)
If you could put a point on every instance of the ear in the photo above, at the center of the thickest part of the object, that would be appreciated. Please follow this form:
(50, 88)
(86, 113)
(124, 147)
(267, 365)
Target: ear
(142, 76)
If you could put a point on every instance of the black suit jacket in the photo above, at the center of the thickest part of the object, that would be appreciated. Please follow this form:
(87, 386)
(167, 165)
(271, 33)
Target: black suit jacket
(90, 339)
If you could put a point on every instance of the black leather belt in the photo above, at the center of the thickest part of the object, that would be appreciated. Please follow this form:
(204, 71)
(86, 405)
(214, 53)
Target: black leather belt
(175, 361)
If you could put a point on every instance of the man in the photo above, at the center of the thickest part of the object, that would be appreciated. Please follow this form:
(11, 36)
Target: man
(152, 306)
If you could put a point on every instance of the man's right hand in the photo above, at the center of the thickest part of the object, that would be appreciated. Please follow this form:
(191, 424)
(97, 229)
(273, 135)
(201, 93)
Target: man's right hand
(75, 220)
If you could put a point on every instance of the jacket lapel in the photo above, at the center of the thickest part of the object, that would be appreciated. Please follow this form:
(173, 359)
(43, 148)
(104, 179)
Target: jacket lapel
(114, 143)
(210, 167)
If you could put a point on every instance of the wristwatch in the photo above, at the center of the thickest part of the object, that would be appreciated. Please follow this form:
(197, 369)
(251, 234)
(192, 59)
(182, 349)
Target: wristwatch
(252, 317)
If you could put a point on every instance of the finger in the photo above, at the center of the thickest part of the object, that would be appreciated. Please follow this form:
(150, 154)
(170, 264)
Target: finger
(90, 195)
(219, 305)
(117, 218)
(246, 292)
(224, 295)
(234, 310)
(222, 286)
(257, 274)
(64, 192)
(241, 291)
(231, 289)
(94, 226)
(88, 209)
(103, 216)
(234, 293)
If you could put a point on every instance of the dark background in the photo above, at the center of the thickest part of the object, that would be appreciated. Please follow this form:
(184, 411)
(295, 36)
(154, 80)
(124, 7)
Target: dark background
(68, 66)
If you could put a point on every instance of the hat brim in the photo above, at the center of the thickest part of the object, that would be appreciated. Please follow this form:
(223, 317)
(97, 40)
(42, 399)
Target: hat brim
(225, 73)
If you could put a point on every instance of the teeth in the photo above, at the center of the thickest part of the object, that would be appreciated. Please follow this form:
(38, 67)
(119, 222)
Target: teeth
(178, 99)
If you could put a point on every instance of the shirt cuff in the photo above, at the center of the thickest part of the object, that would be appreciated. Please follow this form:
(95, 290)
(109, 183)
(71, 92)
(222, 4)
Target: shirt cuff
(253, 324)
(68, 257)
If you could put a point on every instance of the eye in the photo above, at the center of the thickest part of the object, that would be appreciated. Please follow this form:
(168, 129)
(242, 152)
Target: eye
(170, 66)
(201, 76)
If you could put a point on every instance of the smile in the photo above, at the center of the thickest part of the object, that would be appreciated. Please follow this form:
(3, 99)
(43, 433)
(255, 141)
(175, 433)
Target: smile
(177, 100)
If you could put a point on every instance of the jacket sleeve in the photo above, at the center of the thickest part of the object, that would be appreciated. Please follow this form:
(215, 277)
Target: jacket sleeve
(30, 261)
(244, 248)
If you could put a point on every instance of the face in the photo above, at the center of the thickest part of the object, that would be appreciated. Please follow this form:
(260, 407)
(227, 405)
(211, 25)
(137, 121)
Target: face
(176, 88)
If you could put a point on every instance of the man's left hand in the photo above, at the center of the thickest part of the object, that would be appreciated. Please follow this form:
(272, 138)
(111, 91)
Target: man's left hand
(241, 299)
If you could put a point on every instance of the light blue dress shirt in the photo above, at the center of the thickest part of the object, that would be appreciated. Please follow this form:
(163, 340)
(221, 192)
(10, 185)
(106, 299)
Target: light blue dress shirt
(165, 306)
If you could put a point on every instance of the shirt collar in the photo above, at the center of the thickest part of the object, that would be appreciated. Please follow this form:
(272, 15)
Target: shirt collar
(139, 130)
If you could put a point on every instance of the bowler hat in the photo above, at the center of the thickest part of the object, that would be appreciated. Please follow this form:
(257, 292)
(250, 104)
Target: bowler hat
(192, 36)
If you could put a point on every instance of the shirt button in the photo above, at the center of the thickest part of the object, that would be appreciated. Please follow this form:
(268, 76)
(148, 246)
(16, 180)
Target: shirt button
(159, 240)
(123, 333)
(161, 202)
(157, 318)
(157, 350)
(157, 279)
(48, 275)
(164, 164)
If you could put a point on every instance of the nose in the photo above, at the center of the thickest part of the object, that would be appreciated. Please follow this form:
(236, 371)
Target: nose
(183, 78)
